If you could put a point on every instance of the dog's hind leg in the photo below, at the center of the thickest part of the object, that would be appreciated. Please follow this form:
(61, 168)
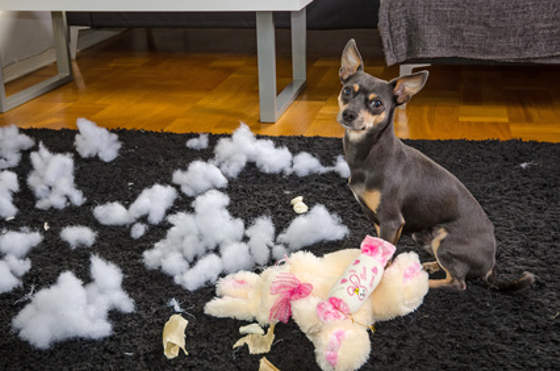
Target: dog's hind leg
(449, 282)
(455, 270)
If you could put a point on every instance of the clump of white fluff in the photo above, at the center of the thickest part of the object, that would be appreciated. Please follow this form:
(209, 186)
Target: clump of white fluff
(315, 226)
(193, 236)
(15, 246)
(236, 257)
(206, 270)
(200, 142)
(232, 154)
(78, 235)
(305, 164)
(8, 186)
(341, 167)
(261, 239)
(199, 177)
(138, 230)
(153, 202)
(11, 270)
(52, 180)
(112, 213)
(68, 309)
(11, 145)
(19, 244)
(96, 141)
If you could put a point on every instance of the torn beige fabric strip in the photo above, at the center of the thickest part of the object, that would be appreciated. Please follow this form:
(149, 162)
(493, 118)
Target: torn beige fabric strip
(257, 343)
(174, 336)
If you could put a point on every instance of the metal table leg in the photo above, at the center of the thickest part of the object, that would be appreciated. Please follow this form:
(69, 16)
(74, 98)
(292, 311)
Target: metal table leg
(63, 76)
(272, 106)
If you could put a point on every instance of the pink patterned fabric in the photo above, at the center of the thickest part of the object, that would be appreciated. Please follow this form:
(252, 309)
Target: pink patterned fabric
(334, 345)
(377, 248)
(289, 288)
(332, 309)
(358, 281)
(411, 271)
(356, 287)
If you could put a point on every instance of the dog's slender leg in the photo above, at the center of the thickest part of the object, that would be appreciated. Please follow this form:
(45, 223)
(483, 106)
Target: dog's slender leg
(431, 267)
(399, 232)
(369, 213)
(391, 230)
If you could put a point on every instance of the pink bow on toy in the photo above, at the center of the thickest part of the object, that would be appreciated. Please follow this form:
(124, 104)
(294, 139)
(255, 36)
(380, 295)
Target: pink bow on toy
(289, 288)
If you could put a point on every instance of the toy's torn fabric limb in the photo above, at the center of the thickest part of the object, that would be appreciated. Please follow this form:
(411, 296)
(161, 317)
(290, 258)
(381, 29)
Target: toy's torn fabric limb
(253, 328)
(174, 336)
(257, 342)
(266, 365)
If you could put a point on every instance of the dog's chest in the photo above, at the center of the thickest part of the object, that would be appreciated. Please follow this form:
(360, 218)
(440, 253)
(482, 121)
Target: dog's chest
(368, 196)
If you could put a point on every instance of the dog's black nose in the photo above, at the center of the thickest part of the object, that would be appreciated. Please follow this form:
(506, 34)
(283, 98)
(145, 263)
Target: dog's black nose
(349, 116)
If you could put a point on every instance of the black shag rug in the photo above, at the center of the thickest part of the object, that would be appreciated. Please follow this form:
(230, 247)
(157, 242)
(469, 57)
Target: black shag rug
(475, 329)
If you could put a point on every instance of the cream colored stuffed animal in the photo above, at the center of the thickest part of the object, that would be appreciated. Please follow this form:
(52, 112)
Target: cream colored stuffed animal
(340, 344)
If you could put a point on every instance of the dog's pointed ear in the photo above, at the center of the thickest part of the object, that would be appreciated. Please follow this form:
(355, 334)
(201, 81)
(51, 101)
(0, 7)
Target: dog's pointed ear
(404, 87)
(351, 61)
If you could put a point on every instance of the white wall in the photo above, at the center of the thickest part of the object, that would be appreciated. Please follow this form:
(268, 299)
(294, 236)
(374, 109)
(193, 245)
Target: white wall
(23, 35)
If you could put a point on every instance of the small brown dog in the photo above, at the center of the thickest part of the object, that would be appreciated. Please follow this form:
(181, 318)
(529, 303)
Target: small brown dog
(400, 188)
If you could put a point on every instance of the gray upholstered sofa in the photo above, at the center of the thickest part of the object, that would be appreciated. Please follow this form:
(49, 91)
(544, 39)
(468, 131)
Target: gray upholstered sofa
(321, 14)
(412, 31)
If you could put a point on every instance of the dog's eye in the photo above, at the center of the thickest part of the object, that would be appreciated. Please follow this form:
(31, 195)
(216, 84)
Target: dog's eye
(376, 103)
(347, 91)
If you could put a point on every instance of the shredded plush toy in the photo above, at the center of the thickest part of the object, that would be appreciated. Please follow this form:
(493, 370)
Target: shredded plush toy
(304, 287)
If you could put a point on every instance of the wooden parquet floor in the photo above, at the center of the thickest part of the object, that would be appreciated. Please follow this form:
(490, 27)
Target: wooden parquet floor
(165, 81)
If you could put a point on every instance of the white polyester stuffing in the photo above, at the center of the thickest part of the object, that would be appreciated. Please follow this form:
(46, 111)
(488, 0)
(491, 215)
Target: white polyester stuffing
(232, 154)
(205, 270)
(236, 257)
(315, 226)
(8, 186)
(78, 235)
(11, 270)
(52, 180)
(96, 141)
(154, 202)
(341, 167)
(199, 177)
(261, 238)
(112, 213)
(138, 230)
(68, 309)
(194, 235)
(305, 164)
(18, 244)
(11, 145)
(200, 142)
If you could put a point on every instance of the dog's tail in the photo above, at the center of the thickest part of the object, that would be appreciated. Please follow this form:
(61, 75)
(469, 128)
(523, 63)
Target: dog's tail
(525, 281)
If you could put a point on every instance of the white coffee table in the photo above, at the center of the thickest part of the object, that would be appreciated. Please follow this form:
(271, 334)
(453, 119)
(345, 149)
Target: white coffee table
(271, 105)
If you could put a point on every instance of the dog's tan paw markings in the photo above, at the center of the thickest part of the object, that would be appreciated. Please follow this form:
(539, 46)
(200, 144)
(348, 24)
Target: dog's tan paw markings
(431, 267)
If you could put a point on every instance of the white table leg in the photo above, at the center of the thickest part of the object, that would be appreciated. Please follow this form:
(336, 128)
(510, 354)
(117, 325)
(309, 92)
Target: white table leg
(271, 105)
(63, 76)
